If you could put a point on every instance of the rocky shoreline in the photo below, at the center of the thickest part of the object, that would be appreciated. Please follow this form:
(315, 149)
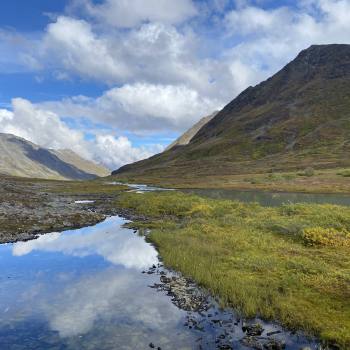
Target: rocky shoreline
(219, 328)
(29, 209)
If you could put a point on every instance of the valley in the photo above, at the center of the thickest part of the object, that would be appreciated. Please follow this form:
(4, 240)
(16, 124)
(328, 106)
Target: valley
(270, 262)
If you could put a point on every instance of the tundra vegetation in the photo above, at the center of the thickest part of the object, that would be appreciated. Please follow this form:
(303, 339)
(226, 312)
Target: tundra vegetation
(289, 263)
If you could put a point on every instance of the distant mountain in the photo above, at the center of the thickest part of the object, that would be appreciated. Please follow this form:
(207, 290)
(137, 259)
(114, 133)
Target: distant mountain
(299, 117)
(19, 157)
(187, 136)
(70, 157)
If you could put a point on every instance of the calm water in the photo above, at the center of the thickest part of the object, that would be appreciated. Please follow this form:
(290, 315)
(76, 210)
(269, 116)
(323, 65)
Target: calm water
(84, 289)
(272, 198)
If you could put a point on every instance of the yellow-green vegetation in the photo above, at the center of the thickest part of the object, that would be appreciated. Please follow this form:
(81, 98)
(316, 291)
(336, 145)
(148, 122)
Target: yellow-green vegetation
(288, 263)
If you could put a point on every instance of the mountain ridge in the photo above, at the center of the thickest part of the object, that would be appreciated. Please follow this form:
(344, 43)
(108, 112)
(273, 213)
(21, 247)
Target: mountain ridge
(20, 157)
(299, 117)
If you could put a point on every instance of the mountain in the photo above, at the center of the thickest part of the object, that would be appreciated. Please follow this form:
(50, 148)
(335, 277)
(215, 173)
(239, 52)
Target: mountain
(19, 157)
(187, 136)
(299, 117)
(70, 157)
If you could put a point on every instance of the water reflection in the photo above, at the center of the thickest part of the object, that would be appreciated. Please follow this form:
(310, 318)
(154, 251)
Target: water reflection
(108, 239)
(83, 289)
(75, 309)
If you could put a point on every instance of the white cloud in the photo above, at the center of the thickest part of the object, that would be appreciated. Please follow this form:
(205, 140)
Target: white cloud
(271, 38)
(140, 107)
(131, 13)
(45, 128)
(115, 152)
(40, 126)
(70, 44)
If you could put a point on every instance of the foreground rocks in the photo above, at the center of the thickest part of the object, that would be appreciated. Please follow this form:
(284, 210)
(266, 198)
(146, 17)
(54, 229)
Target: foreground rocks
(217, 328)
(32, 207)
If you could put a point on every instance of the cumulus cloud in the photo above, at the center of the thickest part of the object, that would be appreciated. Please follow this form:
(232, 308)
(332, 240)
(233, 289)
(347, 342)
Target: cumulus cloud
(45, 128)
(270, 38)
(130, 13)
(40, 126)
(71, 44)
(107, 146)
(140, 107)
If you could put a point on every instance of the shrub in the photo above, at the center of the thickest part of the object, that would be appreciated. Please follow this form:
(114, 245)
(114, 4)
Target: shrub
(326, 237)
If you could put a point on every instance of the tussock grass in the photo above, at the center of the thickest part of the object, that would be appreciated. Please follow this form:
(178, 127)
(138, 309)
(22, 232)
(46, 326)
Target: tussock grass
(259, 259)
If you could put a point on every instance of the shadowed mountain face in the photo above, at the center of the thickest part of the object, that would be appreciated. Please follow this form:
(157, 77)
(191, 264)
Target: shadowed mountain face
(70, 157)
(297, 118)
(19, 157)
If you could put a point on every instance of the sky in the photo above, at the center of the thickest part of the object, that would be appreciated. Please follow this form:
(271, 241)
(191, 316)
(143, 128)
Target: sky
(118, 80)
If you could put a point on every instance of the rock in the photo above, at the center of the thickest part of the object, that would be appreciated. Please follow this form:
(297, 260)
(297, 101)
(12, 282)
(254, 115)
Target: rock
(253, 330)
(273, 333)
(273, 344)
(151, 345)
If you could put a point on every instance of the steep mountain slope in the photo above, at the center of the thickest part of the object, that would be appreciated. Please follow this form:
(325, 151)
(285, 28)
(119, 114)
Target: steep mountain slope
(187, 136)
(70, 157)
(299, 117)
(19, 157)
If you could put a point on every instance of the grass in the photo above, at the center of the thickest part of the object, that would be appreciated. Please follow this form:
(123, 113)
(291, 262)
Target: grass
(319, 181)
(289, 263)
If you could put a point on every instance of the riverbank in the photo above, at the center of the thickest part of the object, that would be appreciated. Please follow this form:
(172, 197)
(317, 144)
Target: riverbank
(305, 181)
(30, 207)
(289, 263)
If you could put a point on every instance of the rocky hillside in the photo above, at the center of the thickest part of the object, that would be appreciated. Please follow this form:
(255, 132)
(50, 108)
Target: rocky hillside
(19, 157)
(299, 117)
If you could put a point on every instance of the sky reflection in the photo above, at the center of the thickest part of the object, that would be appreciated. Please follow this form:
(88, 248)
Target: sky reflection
(109, 240)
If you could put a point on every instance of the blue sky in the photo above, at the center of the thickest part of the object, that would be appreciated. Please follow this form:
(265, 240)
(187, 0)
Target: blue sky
(116, 80)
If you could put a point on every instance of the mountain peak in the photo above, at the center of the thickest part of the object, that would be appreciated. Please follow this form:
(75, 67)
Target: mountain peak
(299, 117)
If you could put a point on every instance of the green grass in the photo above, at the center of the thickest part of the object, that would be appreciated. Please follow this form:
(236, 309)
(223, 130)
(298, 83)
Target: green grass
(259, 259)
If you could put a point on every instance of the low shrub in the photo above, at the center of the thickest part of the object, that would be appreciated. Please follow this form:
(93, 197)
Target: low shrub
(326, 237)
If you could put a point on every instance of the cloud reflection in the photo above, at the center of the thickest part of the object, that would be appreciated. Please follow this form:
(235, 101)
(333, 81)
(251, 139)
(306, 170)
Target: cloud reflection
(108, 239)
(114, 297)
